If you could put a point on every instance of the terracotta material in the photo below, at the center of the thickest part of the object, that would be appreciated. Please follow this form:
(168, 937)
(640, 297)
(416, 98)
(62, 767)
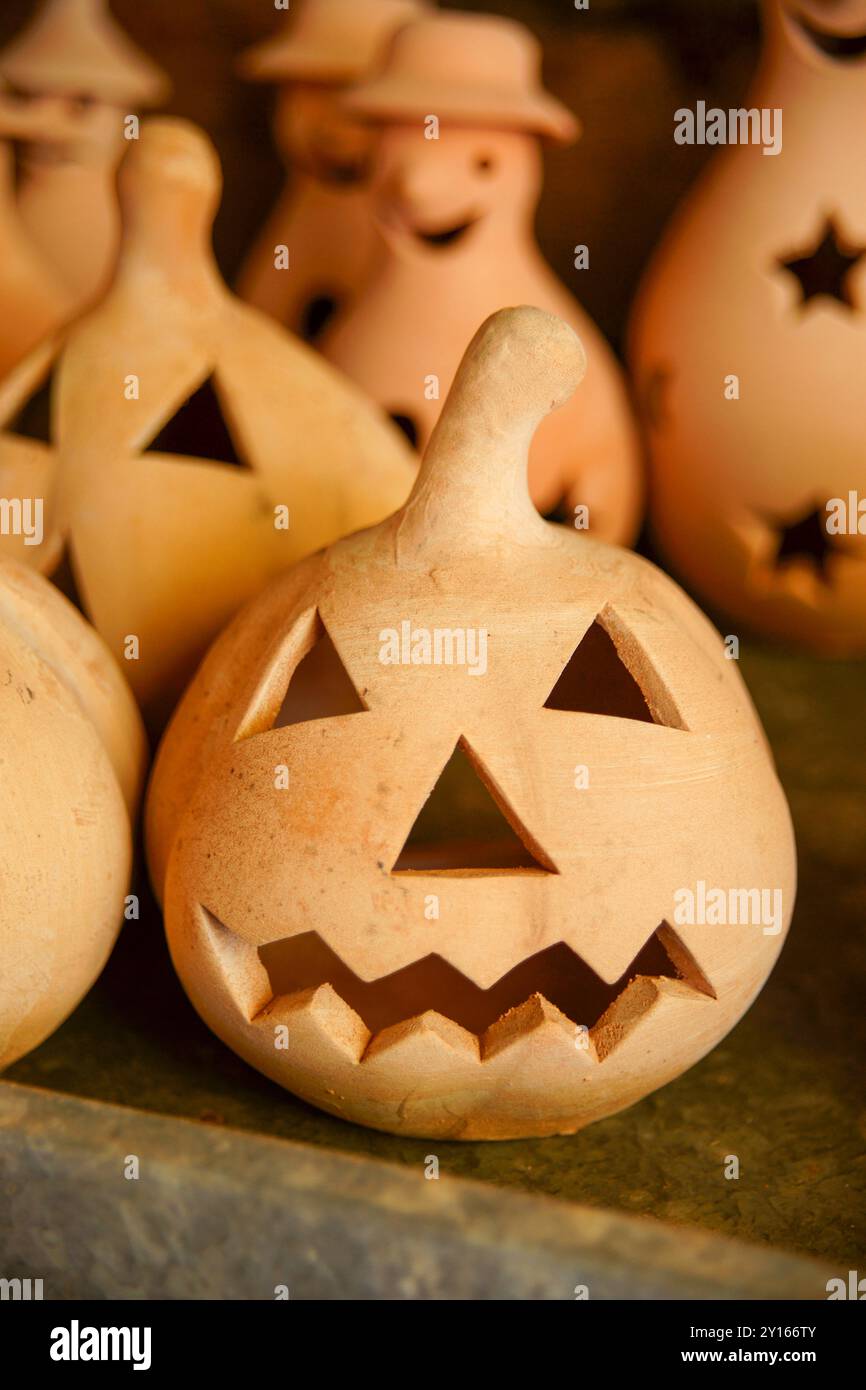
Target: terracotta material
(456, 216)
(70, 777)
(477, 982)
(324, 216)
(168, 499)
(762, 276)
(81, 75)
(33, 302)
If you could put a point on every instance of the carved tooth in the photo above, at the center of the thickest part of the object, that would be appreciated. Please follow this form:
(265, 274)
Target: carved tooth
(683, 961)
(684, 989)
(638, 1003)
(237, 962)
(536, 1016)
(317, 1018)
(424, 1039)
(639, 996)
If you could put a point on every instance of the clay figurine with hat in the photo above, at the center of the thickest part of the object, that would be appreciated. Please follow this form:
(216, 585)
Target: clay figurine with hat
(74, 77)
(33, 301)
(462, 113)
(318, 244)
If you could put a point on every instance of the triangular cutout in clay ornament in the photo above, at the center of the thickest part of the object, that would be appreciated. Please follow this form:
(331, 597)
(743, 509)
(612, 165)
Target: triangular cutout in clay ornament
(596, 681)
(464, 827)
(320, 686)
(199, 429)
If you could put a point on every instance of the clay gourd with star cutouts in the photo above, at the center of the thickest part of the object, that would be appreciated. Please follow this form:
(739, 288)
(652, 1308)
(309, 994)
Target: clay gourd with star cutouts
(426, 821)
(71, 771)
(185, 447)
(747, 346)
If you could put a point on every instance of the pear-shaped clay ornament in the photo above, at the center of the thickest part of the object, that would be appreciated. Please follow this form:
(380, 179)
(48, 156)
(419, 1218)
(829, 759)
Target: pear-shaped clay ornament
(455, 202)
(74, 56)
(536, 965)
(199, 448)
(70, 778)
(320, 242)
(747, 347)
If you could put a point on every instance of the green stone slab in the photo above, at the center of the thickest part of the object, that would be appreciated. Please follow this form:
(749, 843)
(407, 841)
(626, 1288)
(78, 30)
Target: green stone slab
(216, 1213)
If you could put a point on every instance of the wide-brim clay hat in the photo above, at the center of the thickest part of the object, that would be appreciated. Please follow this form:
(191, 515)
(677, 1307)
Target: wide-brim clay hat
(74, 47)
(328, 41)
(466, 68)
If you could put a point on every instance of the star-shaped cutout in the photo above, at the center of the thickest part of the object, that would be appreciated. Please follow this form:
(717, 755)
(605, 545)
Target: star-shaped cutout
(805, 539)
(825, 271)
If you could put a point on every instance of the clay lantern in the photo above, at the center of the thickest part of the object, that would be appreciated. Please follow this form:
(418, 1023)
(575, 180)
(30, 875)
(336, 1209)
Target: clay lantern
(323, 218)
(76, 69)
(198, 448)
(434, 805)
(70, 777)
(747, 346)
(455, 203)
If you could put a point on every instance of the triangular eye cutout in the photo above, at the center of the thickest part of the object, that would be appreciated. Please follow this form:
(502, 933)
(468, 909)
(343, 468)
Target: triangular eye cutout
(320, 687)
(198, 429)
(33, 420)
(464, 828)
(596, 681)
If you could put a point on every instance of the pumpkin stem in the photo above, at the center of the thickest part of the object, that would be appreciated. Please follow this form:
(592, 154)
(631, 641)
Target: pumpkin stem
(472, 487)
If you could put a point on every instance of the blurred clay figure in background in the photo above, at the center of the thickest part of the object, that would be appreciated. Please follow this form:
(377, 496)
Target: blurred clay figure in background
(323, 218)
(75, 81)
(461, 115)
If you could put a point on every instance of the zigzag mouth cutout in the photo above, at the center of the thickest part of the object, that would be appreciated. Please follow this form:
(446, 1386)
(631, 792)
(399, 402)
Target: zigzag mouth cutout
(556, 981)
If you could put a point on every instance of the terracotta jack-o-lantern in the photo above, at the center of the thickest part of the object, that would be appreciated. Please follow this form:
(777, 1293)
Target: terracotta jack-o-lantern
(748, 347)
(456, 214)
(199, 448)
(70, 777)
(496, 949)
(77, 76)
(324, 217)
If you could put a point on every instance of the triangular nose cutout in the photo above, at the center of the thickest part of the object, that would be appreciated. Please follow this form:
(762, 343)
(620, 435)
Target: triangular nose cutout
(464, 828)
(198, 429)
(320, 687)
(33, 420)
(596, 681)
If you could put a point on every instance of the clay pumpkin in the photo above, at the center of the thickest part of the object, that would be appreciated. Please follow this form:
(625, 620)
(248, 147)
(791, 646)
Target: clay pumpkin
(455, 214)
(747, 351)
(70, 778)
(75, 67)
(445, 977)
(200, 448)
(324, 216)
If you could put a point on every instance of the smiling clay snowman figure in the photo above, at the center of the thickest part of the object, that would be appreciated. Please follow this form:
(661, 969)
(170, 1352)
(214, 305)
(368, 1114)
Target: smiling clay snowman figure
(748, 346)
(461, 114)
(79, 78)
(323, 218)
